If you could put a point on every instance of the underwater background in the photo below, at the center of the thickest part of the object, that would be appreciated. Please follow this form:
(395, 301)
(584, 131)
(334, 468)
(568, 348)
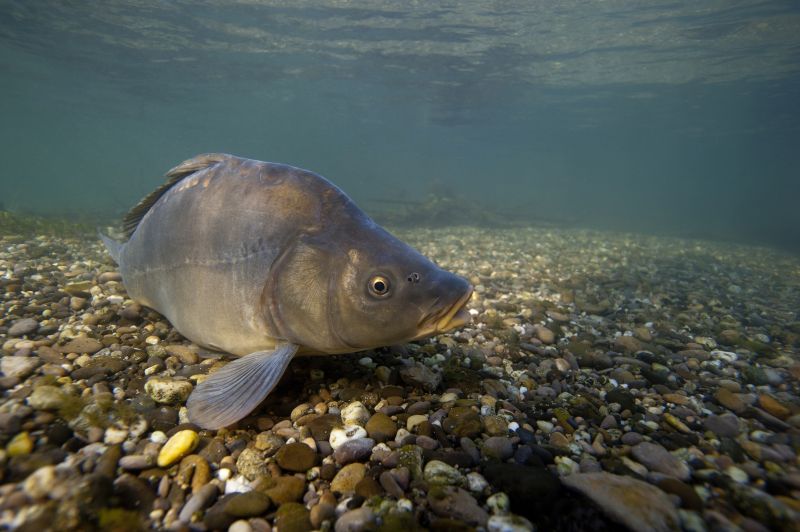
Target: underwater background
(617, 180)
(664, 117)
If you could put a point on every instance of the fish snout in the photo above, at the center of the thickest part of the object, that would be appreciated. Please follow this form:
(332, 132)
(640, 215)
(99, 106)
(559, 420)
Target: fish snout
(449, 312)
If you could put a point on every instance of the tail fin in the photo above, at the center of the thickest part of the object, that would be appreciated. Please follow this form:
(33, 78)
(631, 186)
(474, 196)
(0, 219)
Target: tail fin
(114, 248)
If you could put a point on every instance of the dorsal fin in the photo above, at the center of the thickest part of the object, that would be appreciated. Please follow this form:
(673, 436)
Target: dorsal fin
(186, 168)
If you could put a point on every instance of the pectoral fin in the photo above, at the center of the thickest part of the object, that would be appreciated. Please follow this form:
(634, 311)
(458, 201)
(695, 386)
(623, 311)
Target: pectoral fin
(231, 393)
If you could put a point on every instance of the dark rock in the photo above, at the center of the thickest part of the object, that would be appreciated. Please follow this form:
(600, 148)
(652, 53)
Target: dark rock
(353, 450)
(249, 504)
(531, 490)
(297, 457)
(380, 427)
(23, 327)
(134, 493)
(455, 503)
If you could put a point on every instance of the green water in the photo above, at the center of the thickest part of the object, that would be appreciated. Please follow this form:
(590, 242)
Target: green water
(663, 117)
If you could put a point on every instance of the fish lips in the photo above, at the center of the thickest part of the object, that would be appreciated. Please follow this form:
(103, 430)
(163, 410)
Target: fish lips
(447, 318)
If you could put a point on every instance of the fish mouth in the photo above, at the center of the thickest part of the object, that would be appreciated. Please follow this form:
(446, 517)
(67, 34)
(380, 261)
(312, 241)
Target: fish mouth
(447, 318)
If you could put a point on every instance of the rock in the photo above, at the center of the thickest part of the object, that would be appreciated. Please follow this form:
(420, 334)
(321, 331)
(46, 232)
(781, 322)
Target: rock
(730, 400)
(320, 513)
(532, 490)
(23, 327)
(199, 500)
(346, 479)
(47, 398)
(179, 445)
(357, 520)
(269, 443)
(498, 448)
(421, 376)
(20, 445)
(724, 426)
(462, 421)
(634, 503)
(169, 391)
(623, 397)
(380, 427)
(455, 503)
(771, 405)
(355, 414)
(545, 335)
(249, 504)
(627, 344)
(508, 523)
(297, 457)
(81, 344)
(437, 472)
(284, 489)
(107, 277)
(240, 526)
(353, 451)
(339, 435)
(656, 458)
(292, 517)
(183, 353)
(40, 483)
(252, 464)
(19, 367)
(495, 425)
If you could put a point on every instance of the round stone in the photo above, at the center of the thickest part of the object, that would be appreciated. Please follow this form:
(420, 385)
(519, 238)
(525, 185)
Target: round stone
(47, 398)
(437, 472)
(23, 327)
(297, 457)
(380, 427)
(339, 435)
(355, 414)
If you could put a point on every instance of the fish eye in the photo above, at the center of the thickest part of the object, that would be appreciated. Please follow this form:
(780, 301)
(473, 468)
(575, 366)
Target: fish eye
(379, 285)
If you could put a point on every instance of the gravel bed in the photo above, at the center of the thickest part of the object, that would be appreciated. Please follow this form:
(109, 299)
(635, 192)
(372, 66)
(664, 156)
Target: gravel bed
(607, 379)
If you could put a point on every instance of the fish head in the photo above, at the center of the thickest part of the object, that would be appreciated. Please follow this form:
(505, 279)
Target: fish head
(369, 291)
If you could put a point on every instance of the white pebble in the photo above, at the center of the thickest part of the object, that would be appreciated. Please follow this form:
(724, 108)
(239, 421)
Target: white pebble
(339, 435)
(476, 483)
(238, 484)
(224, 474)
(355, 414)
(158, 437)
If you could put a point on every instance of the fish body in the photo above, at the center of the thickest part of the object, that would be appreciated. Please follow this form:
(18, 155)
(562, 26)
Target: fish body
(266, 261)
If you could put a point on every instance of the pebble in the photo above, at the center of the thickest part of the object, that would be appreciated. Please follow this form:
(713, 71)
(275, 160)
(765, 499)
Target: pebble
(354, 450)
(169, 391)
(240, 526)
(40, 483)
(380, 427)
(23, 327)
(179, 445)
(249, 504)
(355, 414)
(358, 520)
(724, 426)
(46, 398)
(508, 523)
(20, 445)
(348, 477)
(292, 517)
(455, 503)
(339, 435)
(19, 367)
(437, 472)
(297, 457)
(81, 344)
(498, 448)
(421, 376)
(202, 498)
(656, 458)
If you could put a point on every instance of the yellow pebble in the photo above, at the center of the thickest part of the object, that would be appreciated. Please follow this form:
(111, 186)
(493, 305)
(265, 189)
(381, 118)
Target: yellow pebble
(677, 423)
(20, 445)
(178, 446)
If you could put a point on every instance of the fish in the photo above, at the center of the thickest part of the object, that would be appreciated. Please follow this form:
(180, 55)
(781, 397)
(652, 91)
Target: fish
(267, 261)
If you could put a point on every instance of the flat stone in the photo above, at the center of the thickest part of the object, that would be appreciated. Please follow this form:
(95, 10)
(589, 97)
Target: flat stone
(657, 458)
(19, 367)
(297, 457)
(23, 327)
(421, 376)
(353, 451)
(183, 353)
(771, 405)
(456, 503)
(634, 503)
(730, 400)
(81, 344)
(292, 517)
(357, 520)
(248, 504)
(724, 426)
